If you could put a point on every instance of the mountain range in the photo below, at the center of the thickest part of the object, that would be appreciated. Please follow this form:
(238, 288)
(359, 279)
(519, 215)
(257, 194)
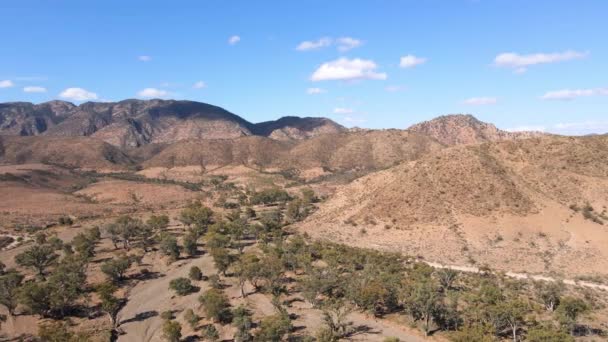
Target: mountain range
(169, 133)
(134, 123)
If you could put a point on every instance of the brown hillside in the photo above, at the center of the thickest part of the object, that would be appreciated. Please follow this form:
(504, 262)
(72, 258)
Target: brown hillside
(134, 123)
(78, 152)
(296, 128)
(370, 150)
(252, 150)
(472, 197)
(460, 129)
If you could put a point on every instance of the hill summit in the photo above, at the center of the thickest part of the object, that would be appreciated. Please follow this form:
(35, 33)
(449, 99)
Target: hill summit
(465, 129)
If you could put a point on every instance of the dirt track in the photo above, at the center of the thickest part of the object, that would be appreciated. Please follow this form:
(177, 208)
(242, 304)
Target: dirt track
(470, 269)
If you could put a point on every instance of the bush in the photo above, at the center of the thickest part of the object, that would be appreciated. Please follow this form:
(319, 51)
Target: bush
(181, 286)
(115, 269)
(195, 273)
(191, 318)
(59, 332)
(166, 315)
(66, 221)
(548, 334)
(215, 304)
(169, 246)
(190, 246)
(269, 196)
(210, 333)
(215, 282)
(172, 331)
(273, 328)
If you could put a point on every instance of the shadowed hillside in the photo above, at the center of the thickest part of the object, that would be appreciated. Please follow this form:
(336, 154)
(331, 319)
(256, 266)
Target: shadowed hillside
(134, 123)
(77, 152)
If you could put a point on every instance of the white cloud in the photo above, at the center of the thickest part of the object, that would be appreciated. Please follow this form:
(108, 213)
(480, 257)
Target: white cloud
(479, 101)
(394, 88)
(6, 84)
(521, 62)
(568, 128)
(353, 120)
(34, 89)
(341, 110)
(199, 85)
(233, 40)
(144, 58)
(581, 128)
(348, 69)
(527, 129)
(343, 43)
(78, 94)
(152, 93)
(313, 91)
(411, 61)
(348, 43)
(571, 94)
(314, 45)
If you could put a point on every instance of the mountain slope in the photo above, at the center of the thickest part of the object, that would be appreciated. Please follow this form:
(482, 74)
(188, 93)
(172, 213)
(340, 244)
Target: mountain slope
(292, 127)
(520, 203)
(77, 152)
(134, 123)
(338, 152)
(461, 129)
(23, 118)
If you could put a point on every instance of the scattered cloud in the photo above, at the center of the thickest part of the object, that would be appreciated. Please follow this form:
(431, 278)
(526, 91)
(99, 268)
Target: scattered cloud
(78, 94)
(568, 128)
(341, 110)
(144, 58)
(480, 101)
(571, 94)
(348, 43)
(394, 88)
(411, 61)
(527, 129)
(233, 40)
(152, 93)
(520, 63)
(199, 85)
(34, 89)
(348, 70)
(314, 45)
(6, 84)
(353, 120)
(343, 43)
(581, 128)
(314, 91)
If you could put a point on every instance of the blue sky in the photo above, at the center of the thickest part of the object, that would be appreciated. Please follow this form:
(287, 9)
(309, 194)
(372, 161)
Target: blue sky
(516, 63)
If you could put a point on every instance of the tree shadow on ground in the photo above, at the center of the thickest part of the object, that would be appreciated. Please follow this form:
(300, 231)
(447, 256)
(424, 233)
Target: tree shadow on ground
(142, 316)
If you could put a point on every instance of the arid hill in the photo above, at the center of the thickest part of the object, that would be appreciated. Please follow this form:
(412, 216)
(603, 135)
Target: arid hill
(23, 118)
(296, 128)
(460, 129)
(367, 150)
(133, 123)
(73, 152)
(545, 197)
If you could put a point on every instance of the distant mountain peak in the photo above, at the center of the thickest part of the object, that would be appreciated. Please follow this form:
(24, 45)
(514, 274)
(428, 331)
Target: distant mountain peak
(296, 128)
(464, 129)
